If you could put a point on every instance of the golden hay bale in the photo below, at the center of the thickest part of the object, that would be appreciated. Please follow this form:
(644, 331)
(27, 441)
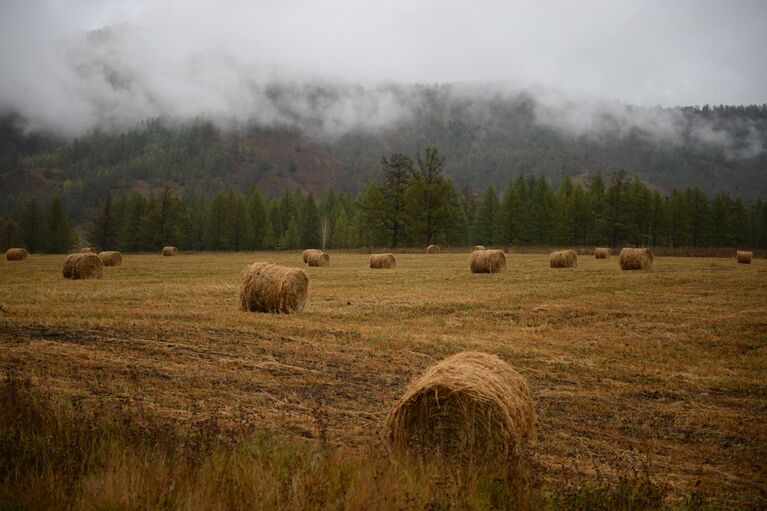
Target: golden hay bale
(478, 247)
(111, 258)
(432, 249)
(383, 261)
(563, 259)
(488, 261)
(601, 253)
(636, 259)
(169, 251)
(17, 254)
(308, 252)
(87, 250)
(470, 405)
(742, 256)
(268, 287)
(83, 266)
(318, 258)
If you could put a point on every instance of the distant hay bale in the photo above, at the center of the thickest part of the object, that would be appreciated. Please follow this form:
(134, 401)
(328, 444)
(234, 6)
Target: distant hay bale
(309, 251)
(488, 261)
(268, 287)
(636, 259)
(432, 249)
(601, 253)
(563, 259)
(318, 258)
(742, 256)
(472, 405)
(169, 251)
(17, 254)
(383, 261)
(111, 258)
(478, 247)
(87, 250)
(84, 265)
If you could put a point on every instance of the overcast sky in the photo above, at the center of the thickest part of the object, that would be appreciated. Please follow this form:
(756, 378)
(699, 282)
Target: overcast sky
(168, 53)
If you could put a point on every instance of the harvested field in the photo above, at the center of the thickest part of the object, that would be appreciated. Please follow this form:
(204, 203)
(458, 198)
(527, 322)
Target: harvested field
(663, 370)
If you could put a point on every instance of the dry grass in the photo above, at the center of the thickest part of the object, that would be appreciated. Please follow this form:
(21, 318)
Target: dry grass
(601, 253)
(487, 261)
(169, 251)
(111, 258)
(563, 259)
(744, 257)
(268, 287)
(472, 407)
(16, 254)
(378, 261)
(84, 265)
(663, 369)
(636, 259)
(432, 249)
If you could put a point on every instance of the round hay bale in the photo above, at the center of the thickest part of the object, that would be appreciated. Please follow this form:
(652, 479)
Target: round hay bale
(487, 261)
(308, 252)
(563, 259)
(383, 261)
(432, 249)
(111, 258)
(636, 259)
(470, 405)
(318, 258)
(169, 251)
(742, 256)
(87, 250)
(478, 247)
(601, 253)
(16, 254)
(268, 287)
(83, 265)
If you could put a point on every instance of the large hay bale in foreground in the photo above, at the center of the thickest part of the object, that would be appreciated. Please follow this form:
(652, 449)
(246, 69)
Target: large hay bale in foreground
(111, 258)
(318, 258)
(563, 259)
(601, 253)
(383, 261)
(471, 405)
(478, 247)
(84, 265)
(169, 251)
(309, 251)
(488, 261)
(87, 250)
(742, 256)
(636, 259)
(432, 249)
(268, 287)
(16, 254)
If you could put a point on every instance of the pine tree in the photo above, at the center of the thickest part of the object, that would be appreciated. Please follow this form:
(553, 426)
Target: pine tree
(398, 170)
(341, 228)
(257, 213)
(104, 229)
(426, 206)
(32, 226)
(309, 229)
(240, 230)
(61, 237)
(217, 224)
(291, 239)
(487, 225)
(511, 216)
(129, 234)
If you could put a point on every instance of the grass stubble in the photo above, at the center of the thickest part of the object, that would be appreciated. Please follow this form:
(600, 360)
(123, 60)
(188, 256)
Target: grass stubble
(647, 385)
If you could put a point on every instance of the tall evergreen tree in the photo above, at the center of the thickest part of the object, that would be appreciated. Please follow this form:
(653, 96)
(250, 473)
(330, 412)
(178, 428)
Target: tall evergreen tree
(61, 237)
(104, 228)
(487, 223)
(309, 228)
(32, 226)
(257, 212)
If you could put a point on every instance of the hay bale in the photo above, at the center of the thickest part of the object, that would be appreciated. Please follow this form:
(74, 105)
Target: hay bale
(478, 247)
(471, 405)
(432, 249)
(742, 256)
(84, 265)
(318, 258)
(17, 254)
(268, 287)
(563, 259)
(169, 251)
(636, 259)
(87, 250)
(488, 261)
(308, 252)
(383, 261)
(111, 258)
(601, 253)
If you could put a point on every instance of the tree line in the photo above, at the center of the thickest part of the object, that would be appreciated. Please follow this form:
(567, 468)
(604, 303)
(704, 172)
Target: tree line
(412, 204)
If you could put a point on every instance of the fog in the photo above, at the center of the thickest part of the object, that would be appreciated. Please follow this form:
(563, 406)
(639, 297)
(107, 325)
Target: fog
(71, 66)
